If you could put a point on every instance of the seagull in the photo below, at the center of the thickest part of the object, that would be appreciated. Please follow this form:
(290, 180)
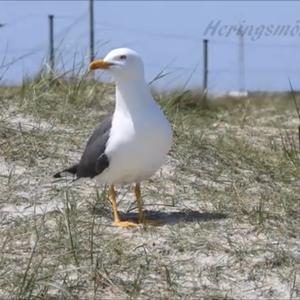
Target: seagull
(129, 146)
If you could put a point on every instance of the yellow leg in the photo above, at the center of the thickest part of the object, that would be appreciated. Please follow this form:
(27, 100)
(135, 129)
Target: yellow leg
(117, 220)
(139, 201)
(137, 191)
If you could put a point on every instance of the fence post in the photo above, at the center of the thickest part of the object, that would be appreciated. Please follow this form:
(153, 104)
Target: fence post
(51, 43)
(205, 73)
(205, 65)
(92, 36)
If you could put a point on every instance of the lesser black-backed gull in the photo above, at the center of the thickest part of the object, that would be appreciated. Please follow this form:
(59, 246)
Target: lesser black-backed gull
(132, 144)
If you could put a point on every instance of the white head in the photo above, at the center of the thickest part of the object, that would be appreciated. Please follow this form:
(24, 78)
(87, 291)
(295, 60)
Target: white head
(122, 63)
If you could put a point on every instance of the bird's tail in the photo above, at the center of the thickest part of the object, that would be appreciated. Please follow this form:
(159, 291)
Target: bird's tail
(72, 170)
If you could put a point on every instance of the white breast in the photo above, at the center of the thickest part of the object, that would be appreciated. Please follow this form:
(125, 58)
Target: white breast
(138, 145)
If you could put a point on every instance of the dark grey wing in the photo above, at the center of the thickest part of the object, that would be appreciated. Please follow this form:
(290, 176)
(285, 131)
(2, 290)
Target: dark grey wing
(93, 160)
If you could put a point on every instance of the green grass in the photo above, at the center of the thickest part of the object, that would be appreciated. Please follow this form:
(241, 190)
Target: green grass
(229, 194)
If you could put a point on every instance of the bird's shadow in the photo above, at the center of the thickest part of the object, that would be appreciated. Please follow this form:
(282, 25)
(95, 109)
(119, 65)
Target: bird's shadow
(171, 218)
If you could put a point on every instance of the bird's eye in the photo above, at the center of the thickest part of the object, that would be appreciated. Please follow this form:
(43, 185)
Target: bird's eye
(123, 57)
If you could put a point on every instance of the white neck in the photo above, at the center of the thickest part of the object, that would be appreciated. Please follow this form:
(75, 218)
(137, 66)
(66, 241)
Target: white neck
(132, 96)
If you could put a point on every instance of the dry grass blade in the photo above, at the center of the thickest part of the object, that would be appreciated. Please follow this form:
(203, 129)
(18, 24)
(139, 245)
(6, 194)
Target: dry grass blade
(297, 109)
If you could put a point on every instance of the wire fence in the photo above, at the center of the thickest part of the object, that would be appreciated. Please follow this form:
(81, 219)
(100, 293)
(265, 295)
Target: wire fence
(71, 47)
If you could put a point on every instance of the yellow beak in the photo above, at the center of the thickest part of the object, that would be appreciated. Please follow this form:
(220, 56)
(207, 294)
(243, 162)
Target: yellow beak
(99, 64)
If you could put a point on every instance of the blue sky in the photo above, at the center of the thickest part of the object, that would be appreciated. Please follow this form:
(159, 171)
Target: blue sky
(166, 34)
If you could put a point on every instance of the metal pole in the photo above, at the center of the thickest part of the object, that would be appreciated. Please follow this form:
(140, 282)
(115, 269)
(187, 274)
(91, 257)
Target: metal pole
(241, 62)
(51, 43)
(205, 65)
(92, 36)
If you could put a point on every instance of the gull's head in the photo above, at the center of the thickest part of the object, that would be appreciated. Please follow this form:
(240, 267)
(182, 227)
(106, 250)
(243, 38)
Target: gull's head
(122, 64)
